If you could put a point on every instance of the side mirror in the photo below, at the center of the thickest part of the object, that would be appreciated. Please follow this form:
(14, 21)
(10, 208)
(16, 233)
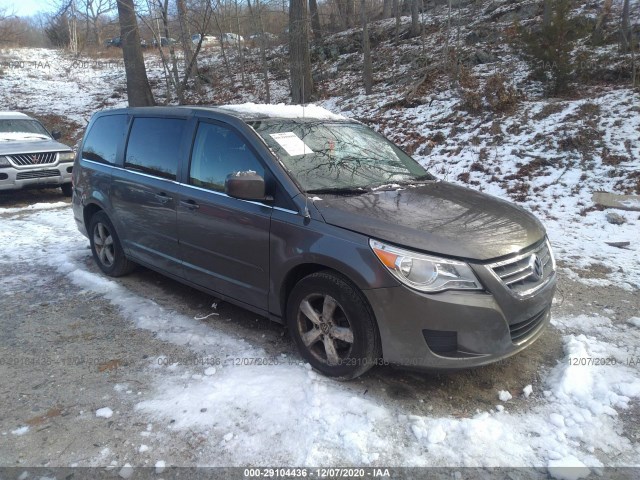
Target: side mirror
(56, 135)
(245, 186)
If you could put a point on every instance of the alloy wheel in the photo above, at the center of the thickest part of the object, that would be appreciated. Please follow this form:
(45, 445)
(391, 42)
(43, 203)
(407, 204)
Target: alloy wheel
(103, 241)
(325, 329)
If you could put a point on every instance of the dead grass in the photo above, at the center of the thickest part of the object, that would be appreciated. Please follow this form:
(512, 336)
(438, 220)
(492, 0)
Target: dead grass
(548, 110)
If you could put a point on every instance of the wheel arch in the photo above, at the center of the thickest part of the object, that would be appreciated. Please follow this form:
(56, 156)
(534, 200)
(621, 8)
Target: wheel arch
(300, 271)
(89, 211)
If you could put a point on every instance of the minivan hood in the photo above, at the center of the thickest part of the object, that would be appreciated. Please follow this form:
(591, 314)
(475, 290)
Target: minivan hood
(436, 217)
(10, 146)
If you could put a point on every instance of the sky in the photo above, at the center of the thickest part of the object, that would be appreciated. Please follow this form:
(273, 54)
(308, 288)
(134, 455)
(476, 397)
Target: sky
(25, 8)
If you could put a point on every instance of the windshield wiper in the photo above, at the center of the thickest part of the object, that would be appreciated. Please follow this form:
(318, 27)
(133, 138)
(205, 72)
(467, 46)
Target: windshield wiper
(340, 190)
(393, 185)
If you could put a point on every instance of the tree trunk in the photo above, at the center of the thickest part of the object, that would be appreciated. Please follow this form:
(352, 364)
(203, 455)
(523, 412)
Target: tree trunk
(396, 13)
(315, 21)
(191, 63)
(350, 12)
(367, 74)
(547, 13)
(301, 82)
(596, 35)
(240, 47)
(258, 26)
(625, 31)
(174, 74)
(387, 9)
(138, 89)
(415, 18)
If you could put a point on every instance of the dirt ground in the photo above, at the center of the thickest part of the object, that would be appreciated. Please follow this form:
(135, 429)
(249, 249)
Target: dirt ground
(80, 347)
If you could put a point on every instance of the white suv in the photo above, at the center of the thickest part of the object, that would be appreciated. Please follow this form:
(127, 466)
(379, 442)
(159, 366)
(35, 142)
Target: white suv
(30, 156)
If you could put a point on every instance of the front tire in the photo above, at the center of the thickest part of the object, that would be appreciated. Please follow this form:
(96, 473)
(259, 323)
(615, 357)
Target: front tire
(106, 248)
(333, 326)
(67, 189)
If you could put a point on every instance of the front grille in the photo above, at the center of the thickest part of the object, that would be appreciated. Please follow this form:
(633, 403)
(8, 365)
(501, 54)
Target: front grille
(26, 159)
(522, 330)
(37, 174)
(528, 272)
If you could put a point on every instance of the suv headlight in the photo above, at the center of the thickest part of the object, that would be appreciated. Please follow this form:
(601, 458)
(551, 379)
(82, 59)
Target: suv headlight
(66, 156)
(4, 162)
(425, 273)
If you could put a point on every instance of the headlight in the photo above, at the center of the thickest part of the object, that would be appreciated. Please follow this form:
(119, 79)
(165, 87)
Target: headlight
(425, 272)
(66, 156)
(4, 162)
(553, 258)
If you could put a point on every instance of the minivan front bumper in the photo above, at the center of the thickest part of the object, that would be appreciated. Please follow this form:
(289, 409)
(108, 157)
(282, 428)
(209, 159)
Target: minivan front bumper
(458, 329)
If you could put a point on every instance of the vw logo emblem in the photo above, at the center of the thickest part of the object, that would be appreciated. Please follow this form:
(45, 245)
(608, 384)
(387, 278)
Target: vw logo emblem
(537, 269)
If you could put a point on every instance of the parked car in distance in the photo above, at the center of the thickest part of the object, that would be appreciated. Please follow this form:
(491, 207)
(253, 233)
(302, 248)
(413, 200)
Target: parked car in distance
(270, 38)
(117, 42)
(318, 222)
(165, 42)
(232, 39)
(207, 40)
(30, 156)
(113, 42)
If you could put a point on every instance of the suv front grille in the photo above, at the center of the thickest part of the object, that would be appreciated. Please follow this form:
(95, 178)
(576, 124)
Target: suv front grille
(37, 174)
(528, 272)
(28, 159)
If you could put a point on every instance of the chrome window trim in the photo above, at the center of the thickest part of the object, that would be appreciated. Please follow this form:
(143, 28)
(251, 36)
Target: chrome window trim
(175, 182)
(222, 194)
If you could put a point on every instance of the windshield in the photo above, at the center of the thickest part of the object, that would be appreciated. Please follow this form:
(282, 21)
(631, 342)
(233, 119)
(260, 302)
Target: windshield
(337, 156)
(22, 126)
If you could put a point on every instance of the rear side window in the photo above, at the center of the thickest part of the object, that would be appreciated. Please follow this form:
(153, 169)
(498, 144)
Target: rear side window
(104, 138)
(154, 146)
(217, 152)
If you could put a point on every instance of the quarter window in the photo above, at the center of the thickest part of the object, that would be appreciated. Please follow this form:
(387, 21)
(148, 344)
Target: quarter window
(217, 152)
(154, 146)
(104, 138)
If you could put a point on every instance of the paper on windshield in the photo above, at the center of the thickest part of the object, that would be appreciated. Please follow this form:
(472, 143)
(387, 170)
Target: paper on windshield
(291, 143)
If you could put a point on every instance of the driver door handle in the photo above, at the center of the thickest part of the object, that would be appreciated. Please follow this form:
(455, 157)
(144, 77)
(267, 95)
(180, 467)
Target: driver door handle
(190, 204)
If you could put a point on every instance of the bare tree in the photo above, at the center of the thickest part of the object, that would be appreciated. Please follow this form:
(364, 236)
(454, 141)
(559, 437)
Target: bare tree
(415, 18)
(396, 13)
(93, 11)
(387, 8)
(547, 13)
(73, 27)
(625, 29)
(256, 16)
(315, 21)
(190, 59)
(138, 89)
(7, 33)
(301, 82)
(596, 35)
(367, 69)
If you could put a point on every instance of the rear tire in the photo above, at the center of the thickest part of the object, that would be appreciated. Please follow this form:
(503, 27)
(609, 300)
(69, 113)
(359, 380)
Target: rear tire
(333, 326)
(106, 248)
(67, 189)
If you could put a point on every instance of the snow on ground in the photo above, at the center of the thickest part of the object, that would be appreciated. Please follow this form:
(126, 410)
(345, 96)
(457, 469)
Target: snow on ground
(286, 414)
